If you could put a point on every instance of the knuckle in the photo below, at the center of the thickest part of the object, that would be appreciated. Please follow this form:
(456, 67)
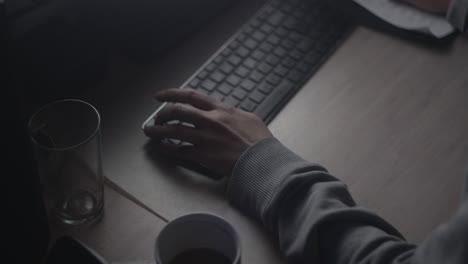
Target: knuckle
(230, 110)
(176, 109)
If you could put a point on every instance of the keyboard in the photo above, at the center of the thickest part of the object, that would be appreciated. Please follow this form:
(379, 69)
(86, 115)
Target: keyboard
(272, 56)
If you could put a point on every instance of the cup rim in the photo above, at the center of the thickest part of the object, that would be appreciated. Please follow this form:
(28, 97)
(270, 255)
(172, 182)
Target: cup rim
(200, 215)
(89, 138)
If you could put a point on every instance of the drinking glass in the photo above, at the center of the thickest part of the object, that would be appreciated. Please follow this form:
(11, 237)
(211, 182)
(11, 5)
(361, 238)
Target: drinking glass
(67, 145)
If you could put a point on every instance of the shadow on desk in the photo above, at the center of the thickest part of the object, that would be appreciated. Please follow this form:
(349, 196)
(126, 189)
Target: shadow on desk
(198, 176)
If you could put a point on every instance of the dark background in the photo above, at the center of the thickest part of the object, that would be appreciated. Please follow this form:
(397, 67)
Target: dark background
(58, 49)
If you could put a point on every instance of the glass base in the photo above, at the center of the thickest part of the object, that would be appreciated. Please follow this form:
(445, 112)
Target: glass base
(79, 207)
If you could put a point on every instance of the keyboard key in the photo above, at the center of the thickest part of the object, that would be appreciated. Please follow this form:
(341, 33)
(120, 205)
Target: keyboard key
(250, 63)
(266, 47)
(258, 35)
(218, 59)
(216, 95)
(295, 76)
(234, 44)
(211, 67)
(250, 43)
(233, 80)
(248, 85)
(226, 68)
(265, 87)
(241, 37)
(234, 59)
(239, 94)
(280, 52)
(255, 23)
(289, 62)
(281, 32)
(208, 85)
(231, 101)
(194, 83)
(242, 71)
(287, 44)
(305, 45)
(263, 15)
(248, 105)
(256, 76)
(217, 76)
(226, 52)
(273, 79)
(225, 88)
(266, 28)
(258, 54)
(203, 74)
(272, 59)
(295, 36)
(264, 68)
(280, 70)
(273, 39)
(243, 52)
(257, 97)
(296, 54)
(290, 23)
(275, 18)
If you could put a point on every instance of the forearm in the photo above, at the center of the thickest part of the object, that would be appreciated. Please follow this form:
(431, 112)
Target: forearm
(309, 211)
(315, 220)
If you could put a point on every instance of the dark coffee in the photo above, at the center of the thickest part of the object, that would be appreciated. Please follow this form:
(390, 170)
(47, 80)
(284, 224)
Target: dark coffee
(200, 255)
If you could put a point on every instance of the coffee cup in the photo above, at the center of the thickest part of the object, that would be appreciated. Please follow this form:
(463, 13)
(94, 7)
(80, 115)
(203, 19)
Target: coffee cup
(198, 238)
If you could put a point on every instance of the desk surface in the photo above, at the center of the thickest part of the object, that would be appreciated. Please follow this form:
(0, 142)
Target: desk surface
(126, 231)
(386, 116)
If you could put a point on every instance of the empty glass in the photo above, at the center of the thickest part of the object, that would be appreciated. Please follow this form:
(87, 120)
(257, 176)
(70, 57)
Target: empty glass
(67, 141)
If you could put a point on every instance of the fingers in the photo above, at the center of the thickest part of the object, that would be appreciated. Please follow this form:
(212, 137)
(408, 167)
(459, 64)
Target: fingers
(180, 132)
(187, 96)
(183, 113)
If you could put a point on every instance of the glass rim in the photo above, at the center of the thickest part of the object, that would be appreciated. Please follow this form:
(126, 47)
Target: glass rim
(40, 110)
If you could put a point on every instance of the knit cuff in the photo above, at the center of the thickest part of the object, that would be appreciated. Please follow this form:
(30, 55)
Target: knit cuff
(257, 173)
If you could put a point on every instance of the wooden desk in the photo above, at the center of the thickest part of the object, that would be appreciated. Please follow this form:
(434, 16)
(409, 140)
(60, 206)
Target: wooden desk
(391, 119)
(387, 116)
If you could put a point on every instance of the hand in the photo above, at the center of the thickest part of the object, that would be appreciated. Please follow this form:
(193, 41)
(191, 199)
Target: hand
(438, 6)
(221, 134)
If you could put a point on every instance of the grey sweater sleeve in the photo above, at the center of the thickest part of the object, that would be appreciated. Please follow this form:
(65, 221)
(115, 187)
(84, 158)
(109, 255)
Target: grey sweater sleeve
(457, 15)
(314, 219)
